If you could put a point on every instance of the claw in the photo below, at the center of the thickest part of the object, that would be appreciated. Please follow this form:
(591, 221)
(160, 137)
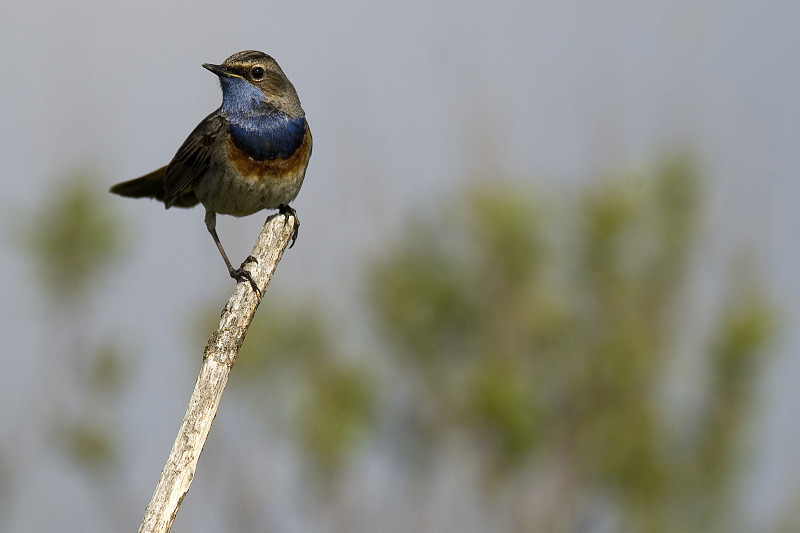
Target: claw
(286, 210)
(240, 274)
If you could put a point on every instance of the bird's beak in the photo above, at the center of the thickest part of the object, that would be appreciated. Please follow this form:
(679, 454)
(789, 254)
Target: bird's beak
(221, 70)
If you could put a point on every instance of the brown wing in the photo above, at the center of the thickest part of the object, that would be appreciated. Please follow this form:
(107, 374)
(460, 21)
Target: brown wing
(193, 159)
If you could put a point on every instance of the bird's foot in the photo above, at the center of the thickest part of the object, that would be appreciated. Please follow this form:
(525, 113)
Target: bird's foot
(286, 210)
(240, 274)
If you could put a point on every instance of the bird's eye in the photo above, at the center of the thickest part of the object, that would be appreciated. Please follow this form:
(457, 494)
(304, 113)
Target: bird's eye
(257, 73)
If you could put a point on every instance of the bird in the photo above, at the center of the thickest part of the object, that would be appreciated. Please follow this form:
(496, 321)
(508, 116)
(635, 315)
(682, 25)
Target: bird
(249, 155)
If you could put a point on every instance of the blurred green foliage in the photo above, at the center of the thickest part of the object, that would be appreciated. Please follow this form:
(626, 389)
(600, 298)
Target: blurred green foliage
(292, 368)
(71, 241)
(545, 335)
(72, 238)
(541, 331)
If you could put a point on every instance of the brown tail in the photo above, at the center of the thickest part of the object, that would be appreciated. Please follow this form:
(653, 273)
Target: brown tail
(152, 186)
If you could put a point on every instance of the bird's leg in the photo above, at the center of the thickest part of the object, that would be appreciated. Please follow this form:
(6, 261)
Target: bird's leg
(239, 274)
(286, 210)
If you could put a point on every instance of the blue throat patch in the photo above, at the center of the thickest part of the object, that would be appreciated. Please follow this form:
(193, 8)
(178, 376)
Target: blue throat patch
(257, 128)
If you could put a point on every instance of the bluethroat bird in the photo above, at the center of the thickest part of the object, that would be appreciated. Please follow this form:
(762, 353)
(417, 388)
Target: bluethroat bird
(248, 155)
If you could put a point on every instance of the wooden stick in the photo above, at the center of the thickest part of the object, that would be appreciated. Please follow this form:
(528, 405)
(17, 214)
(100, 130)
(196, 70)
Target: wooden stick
(218, 359)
